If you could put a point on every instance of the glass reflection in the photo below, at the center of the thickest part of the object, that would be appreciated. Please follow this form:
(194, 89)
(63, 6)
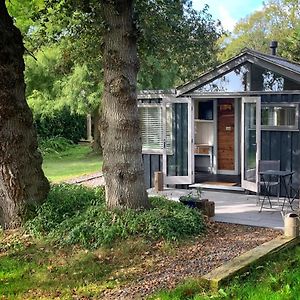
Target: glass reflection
(234, 81)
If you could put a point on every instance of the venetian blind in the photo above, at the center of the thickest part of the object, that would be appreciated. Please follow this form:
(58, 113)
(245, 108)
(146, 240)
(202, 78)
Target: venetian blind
(151, 127)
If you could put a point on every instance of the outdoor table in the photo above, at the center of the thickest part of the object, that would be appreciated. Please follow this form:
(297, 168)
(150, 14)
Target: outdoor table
(284, 178)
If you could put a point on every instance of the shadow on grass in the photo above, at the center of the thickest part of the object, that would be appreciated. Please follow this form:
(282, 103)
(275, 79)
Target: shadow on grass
(42, 270)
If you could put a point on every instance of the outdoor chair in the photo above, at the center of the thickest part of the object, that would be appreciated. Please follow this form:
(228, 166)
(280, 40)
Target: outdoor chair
(267, 183)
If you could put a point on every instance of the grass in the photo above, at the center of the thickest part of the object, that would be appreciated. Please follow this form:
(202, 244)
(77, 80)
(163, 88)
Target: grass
(278, 278)
(74, 248)
(39, 271)
(75, 161)
(33, 269)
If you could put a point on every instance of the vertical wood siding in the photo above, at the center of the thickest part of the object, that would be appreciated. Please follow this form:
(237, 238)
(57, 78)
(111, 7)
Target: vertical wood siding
(282, 145)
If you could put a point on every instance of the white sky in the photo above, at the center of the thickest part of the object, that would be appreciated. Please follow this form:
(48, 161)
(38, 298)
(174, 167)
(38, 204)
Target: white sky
(229, 11)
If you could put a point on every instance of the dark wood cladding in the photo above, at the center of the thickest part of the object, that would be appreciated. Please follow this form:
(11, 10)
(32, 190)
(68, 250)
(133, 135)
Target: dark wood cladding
(225, 134)
(282, 145)
(152, 163)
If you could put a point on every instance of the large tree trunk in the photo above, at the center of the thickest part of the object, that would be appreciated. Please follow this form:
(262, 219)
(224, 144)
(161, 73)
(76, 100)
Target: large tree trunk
(120, 130)
(22, 181)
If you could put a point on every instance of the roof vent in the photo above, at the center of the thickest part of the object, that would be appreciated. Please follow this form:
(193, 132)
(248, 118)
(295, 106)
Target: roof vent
(273, 46)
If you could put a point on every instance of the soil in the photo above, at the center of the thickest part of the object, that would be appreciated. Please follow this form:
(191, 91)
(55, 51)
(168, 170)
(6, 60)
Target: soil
(164, 270)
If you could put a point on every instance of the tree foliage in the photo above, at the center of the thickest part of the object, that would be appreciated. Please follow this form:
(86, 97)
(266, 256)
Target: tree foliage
(175, 42)
(278, 20)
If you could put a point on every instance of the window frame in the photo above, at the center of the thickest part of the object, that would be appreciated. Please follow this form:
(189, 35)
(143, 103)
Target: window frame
(294, 127)
(169, 123)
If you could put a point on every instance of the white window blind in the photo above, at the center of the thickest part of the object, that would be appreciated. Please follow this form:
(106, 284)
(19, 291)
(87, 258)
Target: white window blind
(151, 127)
(151, 119)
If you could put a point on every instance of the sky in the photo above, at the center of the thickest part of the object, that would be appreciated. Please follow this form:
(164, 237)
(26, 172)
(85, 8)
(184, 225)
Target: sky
(229, 11)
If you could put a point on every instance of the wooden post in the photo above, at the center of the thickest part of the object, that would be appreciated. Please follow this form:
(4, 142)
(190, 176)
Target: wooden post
(158, 181)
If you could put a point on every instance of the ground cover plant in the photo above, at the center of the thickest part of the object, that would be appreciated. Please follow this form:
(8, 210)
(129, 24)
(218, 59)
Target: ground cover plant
(277, 278)
(63, 160)
(75, 246)
(78, 215)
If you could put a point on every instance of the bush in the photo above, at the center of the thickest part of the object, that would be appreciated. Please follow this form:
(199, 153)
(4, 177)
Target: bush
(77, 215)
(63, 124)
(54, 145)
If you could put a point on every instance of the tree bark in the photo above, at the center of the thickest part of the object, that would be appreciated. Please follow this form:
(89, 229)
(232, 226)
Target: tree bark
(22, 181)
(96, 144)
(89, 128)
(120, 129)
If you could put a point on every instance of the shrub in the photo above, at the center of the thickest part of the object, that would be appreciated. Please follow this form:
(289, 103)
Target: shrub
(64, 124)
(54, 145)
(78, 215)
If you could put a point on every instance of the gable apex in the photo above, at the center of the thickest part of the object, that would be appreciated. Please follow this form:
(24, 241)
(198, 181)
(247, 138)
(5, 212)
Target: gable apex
(272, 63)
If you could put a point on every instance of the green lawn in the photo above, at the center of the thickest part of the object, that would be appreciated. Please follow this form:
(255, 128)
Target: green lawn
(36, 270)
(76, 161)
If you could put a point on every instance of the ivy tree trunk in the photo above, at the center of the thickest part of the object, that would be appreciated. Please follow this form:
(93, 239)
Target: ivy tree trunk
(120, 130)
(22, 181)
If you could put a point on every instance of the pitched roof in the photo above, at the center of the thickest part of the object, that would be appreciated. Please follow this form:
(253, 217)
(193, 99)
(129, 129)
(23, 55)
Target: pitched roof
(274, 63)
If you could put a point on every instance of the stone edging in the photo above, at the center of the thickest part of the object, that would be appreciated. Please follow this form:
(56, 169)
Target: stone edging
(215, 278)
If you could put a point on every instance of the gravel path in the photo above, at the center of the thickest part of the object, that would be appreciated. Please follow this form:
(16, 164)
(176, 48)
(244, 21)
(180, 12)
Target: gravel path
(161, 270)
(222, 243)
(91, 180)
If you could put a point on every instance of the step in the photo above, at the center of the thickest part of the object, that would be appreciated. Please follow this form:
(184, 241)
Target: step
(217, 187)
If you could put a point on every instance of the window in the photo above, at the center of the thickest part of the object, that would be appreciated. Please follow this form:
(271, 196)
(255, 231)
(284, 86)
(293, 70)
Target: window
(151, 119)
(279, 116)
(151, 127)
(266, 80)
(234, 81)
(205, 110)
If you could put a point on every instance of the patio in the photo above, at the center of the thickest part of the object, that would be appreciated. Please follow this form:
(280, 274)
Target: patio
(236, 208)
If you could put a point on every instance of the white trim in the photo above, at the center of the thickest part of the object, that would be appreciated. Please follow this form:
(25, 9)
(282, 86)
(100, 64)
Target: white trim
(149, 151)
(236, 142)
(215, 142)
(248, 185)
(211, 95)
(192, 135)
(149, 104)
(227, 172)
(236, 137)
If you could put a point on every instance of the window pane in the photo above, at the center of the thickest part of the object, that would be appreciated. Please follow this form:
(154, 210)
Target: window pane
(151, 127)
(205, 110)
(234, 81)
(278, 116)
(266, 80)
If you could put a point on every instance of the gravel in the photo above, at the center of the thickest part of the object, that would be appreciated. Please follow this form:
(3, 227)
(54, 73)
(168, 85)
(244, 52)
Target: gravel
(222, 242)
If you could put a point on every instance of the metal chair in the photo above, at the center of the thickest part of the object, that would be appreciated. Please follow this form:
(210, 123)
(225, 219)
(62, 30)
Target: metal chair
(267, 183)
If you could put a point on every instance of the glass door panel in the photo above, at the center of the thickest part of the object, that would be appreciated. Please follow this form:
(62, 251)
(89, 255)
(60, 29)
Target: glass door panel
(177, 132)
(251, 116)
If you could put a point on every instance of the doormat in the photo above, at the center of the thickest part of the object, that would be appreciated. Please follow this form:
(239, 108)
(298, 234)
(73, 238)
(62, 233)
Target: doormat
(220, 183)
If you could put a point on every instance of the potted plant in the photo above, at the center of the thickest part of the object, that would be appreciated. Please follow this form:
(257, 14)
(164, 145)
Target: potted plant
(196, 201)
(192, 200)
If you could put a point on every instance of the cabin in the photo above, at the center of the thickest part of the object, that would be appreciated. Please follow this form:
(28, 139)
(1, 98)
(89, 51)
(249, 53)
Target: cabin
(216, 128)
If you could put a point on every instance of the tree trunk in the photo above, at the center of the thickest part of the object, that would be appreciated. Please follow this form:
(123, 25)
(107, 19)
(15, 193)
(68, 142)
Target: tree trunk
(96, 145)
(89, 128)
(120, 130)
(22, 181)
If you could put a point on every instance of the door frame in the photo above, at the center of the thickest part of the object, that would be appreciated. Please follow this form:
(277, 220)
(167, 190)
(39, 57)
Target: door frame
(237, 147)
(246, 184)
(189, 179)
